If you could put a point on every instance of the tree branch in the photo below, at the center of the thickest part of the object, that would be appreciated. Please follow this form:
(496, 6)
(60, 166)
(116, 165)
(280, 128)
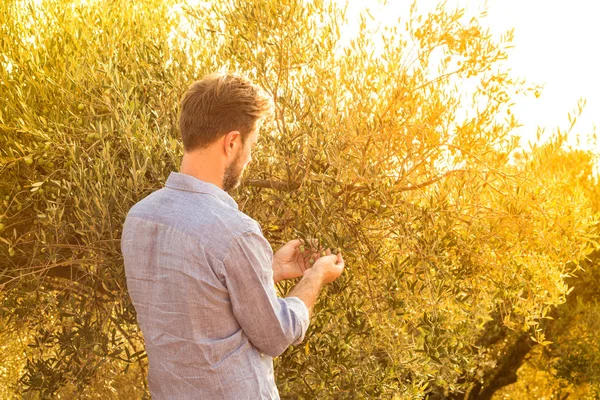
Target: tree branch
(289, 186)
(279, 185)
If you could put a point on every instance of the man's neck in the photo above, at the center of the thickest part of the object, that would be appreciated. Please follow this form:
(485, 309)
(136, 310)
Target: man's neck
(203, 166)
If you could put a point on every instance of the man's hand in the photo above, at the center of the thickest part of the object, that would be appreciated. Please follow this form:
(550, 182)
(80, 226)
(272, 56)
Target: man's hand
(329, 267)
(290, 261)
(325, 270)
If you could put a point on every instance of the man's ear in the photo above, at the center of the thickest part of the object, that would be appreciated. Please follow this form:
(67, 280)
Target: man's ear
(232, 140)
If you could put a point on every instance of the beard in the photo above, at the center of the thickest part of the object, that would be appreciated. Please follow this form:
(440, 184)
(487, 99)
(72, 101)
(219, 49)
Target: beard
(233, 174)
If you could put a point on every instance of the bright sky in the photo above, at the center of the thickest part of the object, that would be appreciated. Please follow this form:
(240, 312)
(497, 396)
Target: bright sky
(556, 44)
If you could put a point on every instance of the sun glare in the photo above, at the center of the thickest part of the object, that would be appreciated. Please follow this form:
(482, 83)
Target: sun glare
(560, 60)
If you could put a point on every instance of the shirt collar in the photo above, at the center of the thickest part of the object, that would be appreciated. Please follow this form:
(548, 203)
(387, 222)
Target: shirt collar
(188, 183)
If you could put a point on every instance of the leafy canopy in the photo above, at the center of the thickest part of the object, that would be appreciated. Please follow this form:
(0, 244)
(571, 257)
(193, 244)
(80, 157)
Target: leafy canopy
(445, 235)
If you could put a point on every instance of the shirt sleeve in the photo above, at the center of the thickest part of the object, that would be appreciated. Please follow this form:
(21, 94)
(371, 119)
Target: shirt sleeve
(271, 323)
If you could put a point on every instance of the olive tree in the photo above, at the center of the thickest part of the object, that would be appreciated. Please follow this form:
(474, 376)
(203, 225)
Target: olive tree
(448, 239)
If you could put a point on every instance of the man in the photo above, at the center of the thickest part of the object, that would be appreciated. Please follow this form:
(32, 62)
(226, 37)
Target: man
(200, 273)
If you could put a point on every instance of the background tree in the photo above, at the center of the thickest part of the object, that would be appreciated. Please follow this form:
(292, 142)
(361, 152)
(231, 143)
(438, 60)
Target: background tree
(378, 153)
(570, 365)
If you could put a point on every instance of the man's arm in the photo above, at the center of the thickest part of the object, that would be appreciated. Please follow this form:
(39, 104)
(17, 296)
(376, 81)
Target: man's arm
(271, 323)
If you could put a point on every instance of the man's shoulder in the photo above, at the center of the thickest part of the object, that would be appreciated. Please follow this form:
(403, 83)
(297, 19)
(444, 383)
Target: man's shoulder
(200, 215)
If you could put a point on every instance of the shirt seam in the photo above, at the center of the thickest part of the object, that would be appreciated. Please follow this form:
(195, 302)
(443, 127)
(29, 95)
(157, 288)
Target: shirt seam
(236, 238)
(197, 191)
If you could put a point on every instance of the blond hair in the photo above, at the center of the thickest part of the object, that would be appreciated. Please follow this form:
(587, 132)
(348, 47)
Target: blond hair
(219, 104)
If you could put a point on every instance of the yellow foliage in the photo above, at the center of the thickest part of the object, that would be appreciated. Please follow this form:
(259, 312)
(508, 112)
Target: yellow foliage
(447, 237)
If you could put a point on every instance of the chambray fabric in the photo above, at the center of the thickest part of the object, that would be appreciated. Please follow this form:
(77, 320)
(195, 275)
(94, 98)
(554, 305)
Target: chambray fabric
(199, 274)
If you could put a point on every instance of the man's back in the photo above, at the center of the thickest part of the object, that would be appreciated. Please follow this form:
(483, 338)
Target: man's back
(199, 275)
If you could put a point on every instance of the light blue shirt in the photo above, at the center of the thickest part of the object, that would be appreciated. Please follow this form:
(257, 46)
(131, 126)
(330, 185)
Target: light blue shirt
(199, 274)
